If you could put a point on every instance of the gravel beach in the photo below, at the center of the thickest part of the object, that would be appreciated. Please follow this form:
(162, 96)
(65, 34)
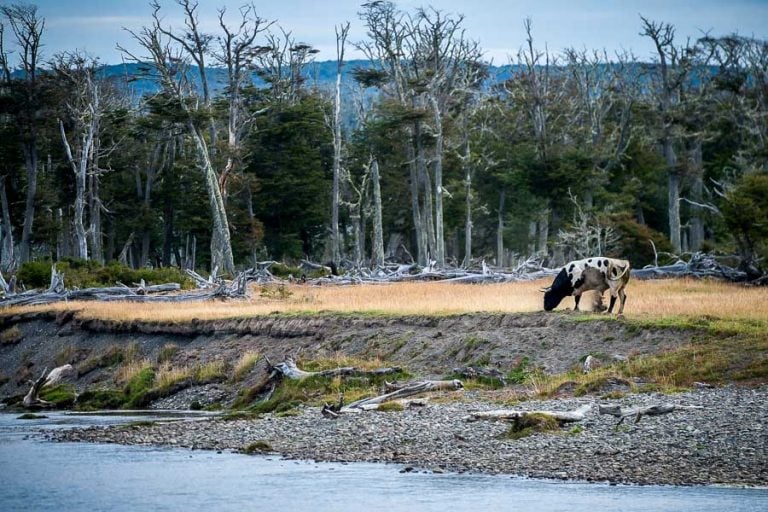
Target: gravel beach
(724, 440)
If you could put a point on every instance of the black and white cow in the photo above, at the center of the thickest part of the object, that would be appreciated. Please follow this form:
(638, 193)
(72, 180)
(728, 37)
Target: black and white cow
(597, 274)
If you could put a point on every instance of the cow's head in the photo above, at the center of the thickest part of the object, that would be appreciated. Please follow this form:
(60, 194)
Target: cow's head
(560, 289)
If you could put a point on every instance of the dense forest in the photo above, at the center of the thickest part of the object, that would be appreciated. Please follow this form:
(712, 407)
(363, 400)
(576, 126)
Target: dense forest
(219, 150)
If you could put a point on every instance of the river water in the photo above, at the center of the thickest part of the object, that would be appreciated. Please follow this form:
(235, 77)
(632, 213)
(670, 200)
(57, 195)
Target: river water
(40, 475)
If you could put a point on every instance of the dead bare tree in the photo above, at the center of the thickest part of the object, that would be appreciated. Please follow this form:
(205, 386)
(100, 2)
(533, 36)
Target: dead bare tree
(85, 109)
(237, 52)
(27, 29)
(669, 76)
(342, 31)
(170, 67)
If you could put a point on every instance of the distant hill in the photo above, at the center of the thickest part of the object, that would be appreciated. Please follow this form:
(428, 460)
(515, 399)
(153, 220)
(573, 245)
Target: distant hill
(319, 74)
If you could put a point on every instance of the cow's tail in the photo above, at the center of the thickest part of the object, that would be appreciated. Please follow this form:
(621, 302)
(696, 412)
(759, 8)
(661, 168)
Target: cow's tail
(626, 269)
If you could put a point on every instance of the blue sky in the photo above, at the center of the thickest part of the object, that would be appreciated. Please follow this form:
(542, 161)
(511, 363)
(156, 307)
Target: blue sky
(95, 26)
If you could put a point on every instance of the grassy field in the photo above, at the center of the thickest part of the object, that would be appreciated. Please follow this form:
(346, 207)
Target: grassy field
(646, 300)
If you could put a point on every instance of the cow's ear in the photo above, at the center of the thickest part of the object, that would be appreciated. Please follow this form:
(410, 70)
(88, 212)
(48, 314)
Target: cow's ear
(545, 290)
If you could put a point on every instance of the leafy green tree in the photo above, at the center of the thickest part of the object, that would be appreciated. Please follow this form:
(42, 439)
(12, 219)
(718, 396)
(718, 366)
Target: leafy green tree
(290, 156)
(746, 214)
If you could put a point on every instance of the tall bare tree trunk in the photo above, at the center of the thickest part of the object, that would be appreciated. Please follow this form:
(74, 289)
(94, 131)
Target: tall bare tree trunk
(427, 217)
(377, 244)
(532, 225)
(673, 195)
(221, 245)
(500, 231)
(80, 170)
(696, 238)
(7, 257)
(439, 235)
(418, 227)
(543, 229)
(94, 201)
(30, 161)
(468, 207)
(341, 37)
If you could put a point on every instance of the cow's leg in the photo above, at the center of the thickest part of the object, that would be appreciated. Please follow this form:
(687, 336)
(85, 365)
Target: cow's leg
(613, 301)
(577, 298)
(623, 297)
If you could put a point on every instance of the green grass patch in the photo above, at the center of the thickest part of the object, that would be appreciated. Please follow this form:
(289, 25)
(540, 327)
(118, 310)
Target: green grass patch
(519, 374)
(61, 396)
(138, 387)
(391, 407)
(30, 416)
(531, 424)
(317, 390)
(210, 372)
(99, 399)
(257, 447)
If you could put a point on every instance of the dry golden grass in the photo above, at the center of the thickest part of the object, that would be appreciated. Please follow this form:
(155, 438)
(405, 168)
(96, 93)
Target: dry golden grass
(130, 369)
(646, 299)
(244, 365)
(166, 375)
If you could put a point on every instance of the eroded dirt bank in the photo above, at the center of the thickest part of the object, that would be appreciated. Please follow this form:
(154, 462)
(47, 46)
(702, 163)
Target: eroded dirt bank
(427, 346)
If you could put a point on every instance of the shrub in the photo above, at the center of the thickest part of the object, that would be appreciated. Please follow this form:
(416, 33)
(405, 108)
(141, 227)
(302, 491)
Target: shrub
(211, 371)
(138, 386)
(62, 395)
(167, 352)
(88, 274)
(35, 274)
(390, 407)
(531, 424)
(244, 365)
(633, 241)
(11, 336)
(100, 399)
(257, 447)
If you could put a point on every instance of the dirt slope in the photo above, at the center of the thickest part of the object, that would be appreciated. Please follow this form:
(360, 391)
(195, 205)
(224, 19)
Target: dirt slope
(426, 345)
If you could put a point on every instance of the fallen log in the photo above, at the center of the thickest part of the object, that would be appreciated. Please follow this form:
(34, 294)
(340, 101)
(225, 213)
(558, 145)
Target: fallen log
(58, 374)
(517, 416)
(289, 370)
(417, 388)
(639, 412)
(472, 372)
(32, 398)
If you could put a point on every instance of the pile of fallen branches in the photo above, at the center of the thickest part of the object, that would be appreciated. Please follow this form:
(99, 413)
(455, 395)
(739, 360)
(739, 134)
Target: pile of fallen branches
(527, 270)
(208, 289)
(700, 265)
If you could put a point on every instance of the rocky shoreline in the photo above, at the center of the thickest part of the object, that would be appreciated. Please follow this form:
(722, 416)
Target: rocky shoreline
(724, 441)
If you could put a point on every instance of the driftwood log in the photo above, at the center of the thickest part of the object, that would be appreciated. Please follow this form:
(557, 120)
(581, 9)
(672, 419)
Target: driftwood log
(289, 370)
(399, 395)
(475, 372)
(32, 399)
(517, 416)
(417, 388)
(639, 412)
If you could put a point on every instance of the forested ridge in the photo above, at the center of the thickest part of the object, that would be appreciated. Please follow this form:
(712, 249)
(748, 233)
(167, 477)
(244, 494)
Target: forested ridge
(220, 150)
